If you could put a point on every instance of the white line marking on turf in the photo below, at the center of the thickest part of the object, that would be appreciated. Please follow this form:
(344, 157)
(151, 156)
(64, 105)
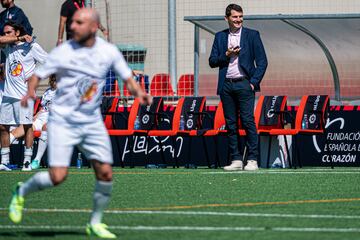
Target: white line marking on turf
(199, 213)
(188, 228)
(282, 172)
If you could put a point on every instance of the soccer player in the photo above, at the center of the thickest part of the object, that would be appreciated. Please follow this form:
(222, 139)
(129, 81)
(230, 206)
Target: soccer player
(68, 9)
(21, 59)
(40, 123)
(2, 166)
(75, 119)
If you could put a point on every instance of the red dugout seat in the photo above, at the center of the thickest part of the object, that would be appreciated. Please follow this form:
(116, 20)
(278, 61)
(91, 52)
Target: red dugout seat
(310, 120)
(108, 120)
(219, 125)
(269, 115)
(185, 85)
(219, 129)
(131, 120)
(145, 115)
(161, 85)
(190, 110)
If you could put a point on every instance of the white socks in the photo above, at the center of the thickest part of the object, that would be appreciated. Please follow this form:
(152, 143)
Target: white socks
(38, 182)
(28, 152)
(101, 198)
(42, 145)
(5, 155)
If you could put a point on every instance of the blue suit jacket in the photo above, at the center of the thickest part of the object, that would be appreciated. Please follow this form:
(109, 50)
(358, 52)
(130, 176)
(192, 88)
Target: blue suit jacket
(17, 15)
(252, 57)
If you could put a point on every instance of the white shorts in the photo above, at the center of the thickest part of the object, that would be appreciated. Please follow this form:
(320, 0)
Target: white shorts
(12, 113)
(41, 119)
(92, 140)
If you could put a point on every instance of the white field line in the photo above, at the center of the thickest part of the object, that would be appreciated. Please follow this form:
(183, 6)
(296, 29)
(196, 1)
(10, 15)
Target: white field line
(197, 213)
(284, 172)
(325, 169)
(354, 169)
(188, 228)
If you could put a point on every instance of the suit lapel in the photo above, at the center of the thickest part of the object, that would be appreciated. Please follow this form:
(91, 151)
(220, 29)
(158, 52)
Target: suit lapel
(243, 38)
(225, 40)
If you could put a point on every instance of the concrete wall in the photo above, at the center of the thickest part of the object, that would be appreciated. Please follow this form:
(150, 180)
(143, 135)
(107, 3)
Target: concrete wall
(44, 17)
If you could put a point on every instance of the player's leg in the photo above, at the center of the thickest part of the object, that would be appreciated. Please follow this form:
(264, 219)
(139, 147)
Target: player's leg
(8, 117)
(38, 182)
(61, 142)
(101, 198)
(28, 150)
(16, 133)
(5, 144)
(26, 118)
(96, 146)
(103, 187)
(40, 125)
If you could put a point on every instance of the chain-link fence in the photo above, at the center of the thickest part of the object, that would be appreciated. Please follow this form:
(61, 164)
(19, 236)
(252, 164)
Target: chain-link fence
(142, 26)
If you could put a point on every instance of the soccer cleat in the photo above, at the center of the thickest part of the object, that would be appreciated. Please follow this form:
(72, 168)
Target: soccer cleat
(99, 230)
(4, 167)
(26, 166)
(251, 165)
(16, 205)
(35, 164)
(236, 165)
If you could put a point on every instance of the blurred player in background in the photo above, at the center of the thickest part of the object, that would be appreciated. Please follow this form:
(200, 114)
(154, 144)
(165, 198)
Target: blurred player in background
(80, 65)
(2, 81)
(68, 8)
(40, 123)
(22, 55)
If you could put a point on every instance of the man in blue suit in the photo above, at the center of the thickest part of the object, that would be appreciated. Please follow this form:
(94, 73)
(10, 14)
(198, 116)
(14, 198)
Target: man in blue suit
(240, 56)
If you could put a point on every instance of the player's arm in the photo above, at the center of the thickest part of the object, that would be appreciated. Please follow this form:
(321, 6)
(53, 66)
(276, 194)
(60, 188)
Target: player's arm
(50, 66)
(62, 22)
(104, 31)
(12, 39)
(33, 83)
(39, 53)
(135, 89)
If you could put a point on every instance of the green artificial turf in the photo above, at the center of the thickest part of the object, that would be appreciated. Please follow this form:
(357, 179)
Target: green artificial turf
(195, 204)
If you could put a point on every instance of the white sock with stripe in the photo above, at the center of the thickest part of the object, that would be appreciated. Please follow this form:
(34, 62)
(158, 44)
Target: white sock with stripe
(38, 182)
(101, 198)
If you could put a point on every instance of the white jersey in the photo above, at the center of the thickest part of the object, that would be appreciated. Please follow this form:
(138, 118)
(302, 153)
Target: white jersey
(46, 99)
(1, 90)
(81, 73)
(20, 64)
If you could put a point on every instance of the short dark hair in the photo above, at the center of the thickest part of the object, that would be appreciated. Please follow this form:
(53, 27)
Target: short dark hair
(232, 6)
(16, 27)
